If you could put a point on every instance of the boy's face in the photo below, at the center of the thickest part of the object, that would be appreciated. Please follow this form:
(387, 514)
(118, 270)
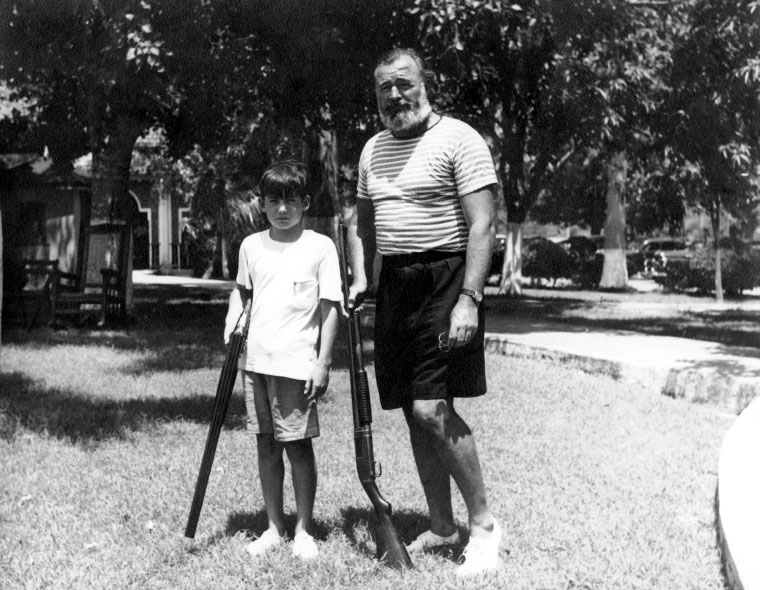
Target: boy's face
(285, 212)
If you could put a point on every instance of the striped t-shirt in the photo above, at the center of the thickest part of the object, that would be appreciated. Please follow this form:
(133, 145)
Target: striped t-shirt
(415, 185)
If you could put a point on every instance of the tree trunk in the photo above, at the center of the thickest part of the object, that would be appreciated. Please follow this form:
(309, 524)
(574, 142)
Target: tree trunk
(615, 272)
(1, 284)
(715, 223)
(219, 265)
(320, 156)
(511, 271)
(111, 161)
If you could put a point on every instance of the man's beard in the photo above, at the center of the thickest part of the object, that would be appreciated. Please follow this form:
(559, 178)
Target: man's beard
(406, 117)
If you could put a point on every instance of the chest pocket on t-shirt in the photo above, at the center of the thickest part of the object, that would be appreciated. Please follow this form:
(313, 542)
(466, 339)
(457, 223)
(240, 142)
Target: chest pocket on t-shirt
(305, 293)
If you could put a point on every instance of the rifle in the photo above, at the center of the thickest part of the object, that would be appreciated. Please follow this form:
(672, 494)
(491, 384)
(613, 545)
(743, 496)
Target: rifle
(219, 413)
(390, 548)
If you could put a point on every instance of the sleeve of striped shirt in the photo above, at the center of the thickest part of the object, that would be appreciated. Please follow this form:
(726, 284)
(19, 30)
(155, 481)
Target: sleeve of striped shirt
(361, 186)
(473, 163)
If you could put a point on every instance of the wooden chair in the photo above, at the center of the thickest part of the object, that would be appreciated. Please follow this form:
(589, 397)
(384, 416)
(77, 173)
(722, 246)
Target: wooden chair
(37, 291)
(100, 282)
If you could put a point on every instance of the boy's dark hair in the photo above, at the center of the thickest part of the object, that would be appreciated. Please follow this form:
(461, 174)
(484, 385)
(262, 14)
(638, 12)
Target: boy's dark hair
(284, 178)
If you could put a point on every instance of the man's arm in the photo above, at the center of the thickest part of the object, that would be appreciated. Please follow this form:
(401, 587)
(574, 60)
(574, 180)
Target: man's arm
(360, 238)
(478, 209)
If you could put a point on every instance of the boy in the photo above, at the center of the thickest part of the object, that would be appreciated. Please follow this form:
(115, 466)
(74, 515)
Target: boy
(294, 279)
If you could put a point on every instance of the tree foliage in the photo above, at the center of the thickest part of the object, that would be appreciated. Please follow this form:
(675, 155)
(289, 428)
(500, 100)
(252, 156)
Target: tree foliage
(561, 91)
(494, 60)
(715, 110)
(102, 73)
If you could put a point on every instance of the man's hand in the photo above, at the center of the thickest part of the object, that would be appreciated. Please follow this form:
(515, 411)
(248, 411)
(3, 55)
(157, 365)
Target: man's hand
(316, 384)
(356, 293)
(463, 322)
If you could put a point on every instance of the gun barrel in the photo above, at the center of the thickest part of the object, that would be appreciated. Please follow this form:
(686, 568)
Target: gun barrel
(390, 548)
(218, 416)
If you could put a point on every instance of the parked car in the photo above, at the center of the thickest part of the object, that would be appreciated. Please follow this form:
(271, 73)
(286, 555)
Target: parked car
(661, 258)
(497, 257)
(598, 241)
(580, 248)
(641, 255)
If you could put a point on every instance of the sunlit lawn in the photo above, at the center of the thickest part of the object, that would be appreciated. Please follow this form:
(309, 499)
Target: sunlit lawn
(734, 323)
(598, 484)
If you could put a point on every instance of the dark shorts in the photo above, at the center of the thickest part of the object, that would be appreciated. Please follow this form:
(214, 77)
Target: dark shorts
(415, 296)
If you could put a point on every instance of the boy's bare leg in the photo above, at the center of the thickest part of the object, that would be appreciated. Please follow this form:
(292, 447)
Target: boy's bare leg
(435, 426)
(272, 475)
(304, 473)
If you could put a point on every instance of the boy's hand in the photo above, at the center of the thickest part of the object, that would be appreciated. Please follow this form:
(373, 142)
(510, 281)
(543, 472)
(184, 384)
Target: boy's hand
(316, 385)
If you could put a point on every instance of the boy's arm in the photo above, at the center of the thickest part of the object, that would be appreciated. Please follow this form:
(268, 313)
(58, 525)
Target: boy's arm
(238, 299)
(316, 385)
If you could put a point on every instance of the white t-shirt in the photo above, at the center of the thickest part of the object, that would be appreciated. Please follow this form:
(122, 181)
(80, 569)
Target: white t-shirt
(288, 279)
(415, 185)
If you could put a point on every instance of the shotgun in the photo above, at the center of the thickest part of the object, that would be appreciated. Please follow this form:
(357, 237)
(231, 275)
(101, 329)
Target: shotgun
(390, 548)
(219, 414)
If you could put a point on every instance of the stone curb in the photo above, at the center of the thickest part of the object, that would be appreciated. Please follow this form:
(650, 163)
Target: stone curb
(738, 510)
(731, 393)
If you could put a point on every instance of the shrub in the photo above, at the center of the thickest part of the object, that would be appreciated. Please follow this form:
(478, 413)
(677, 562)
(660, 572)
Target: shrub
(588, 272)
(546, 260)
(740, 271)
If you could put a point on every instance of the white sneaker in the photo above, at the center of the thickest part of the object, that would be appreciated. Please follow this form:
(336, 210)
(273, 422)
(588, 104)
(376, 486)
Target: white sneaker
(304, 546)
(269, 539)
(481, 554)
(429, 540)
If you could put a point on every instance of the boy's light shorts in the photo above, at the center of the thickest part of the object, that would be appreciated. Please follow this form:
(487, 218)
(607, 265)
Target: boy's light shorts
(276, 405)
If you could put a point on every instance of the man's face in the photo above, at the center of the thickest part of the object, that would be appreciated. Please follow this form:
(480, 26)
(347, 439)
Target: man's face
(401, 96)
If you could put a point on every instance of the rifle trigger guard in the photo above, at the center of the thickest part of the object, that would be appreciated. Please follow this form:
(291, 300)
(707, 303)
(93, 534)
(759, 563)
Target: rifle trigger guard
(378, 469)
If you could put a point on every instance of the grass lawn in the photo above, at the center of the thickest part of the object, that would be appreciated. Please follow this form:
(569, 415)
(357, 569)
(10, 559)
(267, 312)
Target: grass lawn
(598, 484)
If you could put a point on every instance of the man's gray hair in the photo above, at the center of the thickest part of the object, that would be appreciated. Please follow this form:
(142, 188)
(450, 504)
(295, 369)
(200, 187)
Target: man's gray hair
(428, 76)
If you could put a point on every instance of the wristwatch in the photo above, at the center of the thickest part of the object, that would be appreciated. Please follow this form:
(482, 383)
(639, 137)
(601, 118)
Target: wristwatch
(476, 296)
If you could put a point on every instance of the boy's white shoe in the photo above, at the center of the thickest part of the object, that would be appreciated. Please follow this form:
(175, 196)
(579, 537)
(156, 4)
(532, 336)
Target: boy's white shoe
(269, 539)
(429, 540)
(304, 546)
(481, 554)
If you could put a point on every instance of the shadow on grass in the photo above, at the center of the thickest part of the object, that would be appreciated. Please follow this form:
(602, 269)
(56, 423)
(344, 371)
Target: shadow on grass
(176, 335)
(253, 524)
(731, 327)
(408, 524)
(25, 405)
(354, 522)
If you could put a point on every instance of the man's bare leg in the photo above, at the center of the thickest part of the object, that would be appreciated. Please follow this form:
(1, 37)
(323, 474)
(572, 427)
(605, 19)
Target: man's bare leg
(434, 476)
(444, 446)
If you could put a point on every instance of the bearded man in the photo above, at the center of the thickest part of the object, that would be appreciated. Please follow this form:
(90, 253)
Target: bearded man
(425, 198)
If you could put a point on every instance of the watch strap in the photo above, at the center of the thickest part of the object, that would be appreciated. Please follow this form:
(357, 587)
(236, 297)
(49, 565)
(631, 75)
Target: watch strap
(476, 296)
